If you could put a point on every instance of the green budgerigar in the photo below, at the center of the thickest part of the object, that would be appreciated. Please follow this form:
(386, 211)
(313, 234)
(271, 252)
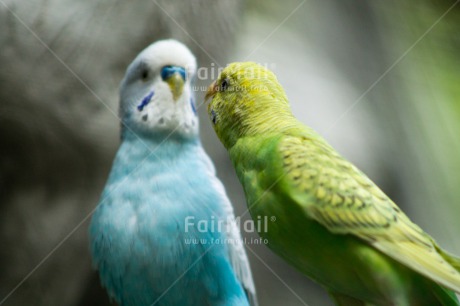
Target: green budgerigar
(332, 222)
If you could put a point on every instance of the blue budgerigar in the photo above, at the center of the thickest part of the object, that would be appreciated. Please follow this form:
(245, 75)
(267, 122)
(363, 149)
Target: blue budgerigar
(162, 233)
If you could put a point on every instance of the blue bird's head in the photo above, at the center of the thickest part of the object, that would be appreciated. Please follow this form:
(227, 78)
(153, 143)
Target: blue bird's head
(156, 94)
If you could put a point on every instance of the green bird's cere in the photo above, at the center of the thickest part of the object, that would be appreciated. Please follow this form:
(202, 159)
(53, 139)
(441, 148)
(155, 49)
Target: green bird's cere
(332, 222)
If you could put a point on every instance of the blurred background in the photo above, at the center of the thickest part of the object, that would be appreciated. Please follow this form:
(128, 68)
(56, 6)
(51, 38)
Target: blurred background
(380, 80)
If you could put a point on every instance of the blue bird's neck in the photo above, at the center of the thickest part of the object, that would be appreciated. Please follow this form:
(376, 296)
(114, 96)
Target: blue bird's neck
(155, 148)
(152, 140)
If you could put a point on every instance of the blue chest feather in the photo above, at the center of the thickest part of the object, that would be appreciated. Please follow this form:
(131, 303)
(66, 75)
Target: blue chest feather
(140, 243)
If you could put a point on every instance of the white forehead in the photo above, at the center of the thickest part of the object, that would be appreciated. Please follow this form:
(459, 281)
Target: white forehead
(167, 52)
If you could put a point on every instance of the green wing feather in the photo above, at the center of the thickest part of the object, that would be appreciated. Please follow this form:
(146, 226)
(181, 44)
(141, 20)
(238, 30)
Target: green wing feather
(336, 194)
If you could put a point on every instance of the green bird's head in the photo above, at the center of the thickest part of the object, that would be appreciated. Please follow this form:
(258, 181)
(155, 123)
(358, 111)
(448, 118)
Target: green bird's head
(246, 100)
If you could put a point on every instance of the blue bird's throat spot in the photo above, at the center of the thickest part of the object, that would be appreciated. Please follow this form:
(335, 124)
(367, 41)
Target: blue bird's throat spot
(145, 101)
(192, 103)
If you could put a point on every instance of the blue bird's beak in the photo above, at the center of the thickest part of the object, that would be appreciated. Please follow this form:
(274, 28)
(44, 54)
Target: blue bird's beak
(175, 77)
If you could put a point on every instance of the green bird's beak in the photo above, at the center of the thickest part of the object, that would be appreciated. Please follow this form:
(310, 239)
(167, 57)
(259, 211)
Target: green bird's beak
(212, 90)
(175, 77)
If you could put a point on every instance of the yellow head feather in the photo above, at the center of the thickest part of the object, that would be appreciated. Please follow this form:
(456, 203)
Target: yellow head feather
(246, 99)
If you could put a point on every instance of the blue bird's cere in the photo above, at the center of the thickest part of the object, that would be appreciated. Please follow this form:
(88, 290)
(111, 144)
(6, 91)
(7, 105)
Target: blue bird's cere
(168, 71)
(142, 247)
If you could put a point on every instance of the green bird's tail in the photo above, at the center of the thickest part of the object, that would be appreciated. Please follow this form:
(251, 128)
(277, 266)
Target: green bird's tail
(445, 297)
(451, 259)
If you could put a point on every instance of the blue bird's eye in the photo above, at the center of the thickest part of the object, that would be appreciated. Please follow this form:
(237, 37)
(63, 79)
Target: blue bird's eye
(213, 116)
(145, 74)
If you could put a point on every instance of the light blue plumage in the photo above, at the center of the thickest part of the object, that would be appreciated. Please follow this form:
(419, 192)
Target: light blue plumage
(145, 250)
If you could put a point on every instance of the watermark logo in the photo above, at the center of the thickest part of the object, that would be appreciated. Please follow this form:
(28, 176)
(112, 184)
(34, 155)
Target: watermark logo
(204, 241)
(213, 71)
(259, 224)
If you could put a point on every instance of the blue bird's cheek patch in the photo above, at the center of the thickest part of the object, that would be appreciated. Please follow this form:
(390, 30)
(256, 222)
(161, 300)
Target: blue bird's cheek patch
(145, 101)
(192, 103)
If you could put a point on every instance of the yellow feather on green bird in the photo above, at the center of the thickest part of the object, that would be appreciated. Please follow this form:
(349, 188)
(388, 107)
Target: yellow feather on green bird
(332, 222)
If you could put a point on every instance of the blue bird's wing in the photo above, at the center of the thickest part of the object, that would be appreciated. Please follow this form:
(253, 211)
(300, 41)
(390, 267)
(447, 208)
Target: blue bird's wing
(237, 253)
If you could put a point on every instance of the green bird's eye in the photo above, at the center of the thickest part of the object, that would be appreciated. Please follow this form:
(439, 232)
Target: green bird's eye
(224, 85)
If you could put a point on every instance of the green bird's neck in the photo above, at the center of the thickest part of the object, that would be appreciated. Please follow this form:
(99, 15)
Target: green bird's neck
(259, 111)
(274, 122)
(265, 123)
